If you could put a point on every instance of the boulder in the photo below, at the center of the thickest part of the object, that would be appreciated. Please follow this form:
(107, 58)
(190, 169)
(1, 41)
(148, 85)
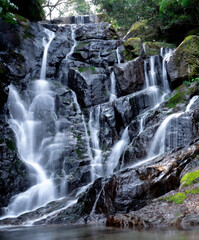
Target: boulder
(142, 30)
(184, 62)
(130, 76)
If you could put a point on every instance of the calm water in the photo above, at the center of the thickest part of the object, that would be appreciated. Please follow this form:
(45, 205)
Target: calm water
(92, 233)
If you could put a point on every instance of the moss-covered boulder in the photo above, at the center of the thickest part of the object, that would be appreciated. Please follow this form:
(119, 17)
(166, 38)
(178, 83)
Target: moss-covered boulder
(132, 48)
(184, 62)
(142, 30)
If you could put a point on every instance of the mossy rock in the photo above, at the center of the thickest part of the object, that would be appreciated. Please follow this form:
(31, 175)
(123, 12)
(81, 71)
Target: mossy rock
(183, 93)
(190, 178)
(142, 30)
(153, 48)
(184, 63)
(133, 47)
(88, 69)
(102, 17)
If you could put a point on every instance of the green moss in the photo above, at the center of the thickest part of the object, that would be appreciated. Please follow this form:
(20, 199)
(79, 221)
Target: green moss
(179, 97)
(91, 69)
(190, 178)
(127, 55)
(133, 47)
(192, 191)
(177, 198)
(10, 144)
(188, 50)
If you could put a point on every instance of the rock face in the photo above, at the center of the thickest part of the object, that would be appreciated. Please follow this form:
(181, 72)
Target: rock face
(184, 62)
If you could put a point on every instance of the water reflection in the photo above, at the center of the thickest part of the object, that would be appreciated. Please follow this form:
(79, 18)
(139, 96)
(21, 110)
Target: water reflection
(92, 233)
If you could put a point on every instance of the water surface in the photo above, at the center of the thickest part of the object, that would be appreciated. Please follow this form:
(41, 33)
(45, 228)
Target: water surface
(92, 233)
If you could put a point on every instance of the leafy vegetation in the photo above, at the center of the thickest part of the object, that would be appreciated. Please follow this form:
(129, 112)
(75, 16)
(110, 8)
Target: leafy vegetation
(161, 14)
(5, 11)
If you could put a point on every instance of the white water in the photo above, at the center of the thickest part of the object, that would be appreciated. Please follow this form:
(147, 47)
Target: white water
(151, 83)
(46, 44)
(94, 128)
(191, 102)
(79, 19)
(158, 145)
(113, 94)
(36, 148)
(117, 151)
(165, 53)
(118, 55)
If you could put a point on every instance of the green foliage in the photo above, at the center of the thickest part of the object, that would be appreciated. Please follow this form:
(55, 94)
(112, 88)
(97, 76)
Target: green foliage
(190, 178)
(82, 7)
(5, 7)
(161, 14)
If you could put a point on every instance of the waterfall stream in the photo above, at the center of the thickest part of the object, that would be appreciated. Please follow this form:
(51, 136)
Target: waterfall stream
(30, 123)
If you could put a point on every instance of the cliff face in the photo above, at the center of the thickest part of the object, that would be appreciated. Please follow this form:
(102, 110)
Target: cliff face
(122, 143)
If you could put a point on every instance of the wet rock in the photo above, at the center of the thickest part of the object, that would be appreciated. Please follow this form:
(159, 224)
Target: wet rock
(134, 188)
(90, 85)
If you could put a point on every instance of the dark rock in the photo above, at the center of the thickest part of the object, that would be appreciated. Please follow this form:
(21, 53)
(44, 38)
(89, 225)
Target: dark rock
(130, 77)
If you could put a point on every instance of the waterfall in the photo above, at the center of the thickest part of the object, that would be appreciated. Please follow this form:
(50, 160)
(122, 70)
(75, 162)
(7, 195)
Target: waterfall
(158, 146)
(79, 19)
(191, 102)
(117, 151)
(118, 56)
(46, 44)
(113, 94)
(39, 144)
(165, 53)
(151, 83)
(94, 128)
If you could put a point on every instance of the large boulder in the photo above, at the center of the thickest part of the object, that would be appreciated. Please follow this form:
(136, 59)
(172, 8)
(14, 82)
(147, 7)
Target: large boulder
(184, 62)
(130, 76)
(142, 30)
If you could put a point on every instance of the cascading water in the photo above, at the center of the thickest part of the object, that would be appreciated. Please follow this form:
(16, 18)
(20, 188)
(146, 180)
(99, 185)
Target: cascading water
(113, 95)
(38, 140)
(117, 151)
(164, 133)
(94, 128)
(79, 19)
(118, 56)
(151, 83)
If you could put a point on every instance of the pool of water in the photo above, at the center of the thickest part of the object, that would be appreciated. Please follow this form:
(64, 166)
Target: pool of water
(92, 233)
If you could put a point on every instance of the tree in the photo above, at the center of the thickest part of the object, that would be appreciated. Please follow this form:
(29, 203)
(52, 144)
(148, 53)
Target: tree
(62, 7)
(5, 7)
